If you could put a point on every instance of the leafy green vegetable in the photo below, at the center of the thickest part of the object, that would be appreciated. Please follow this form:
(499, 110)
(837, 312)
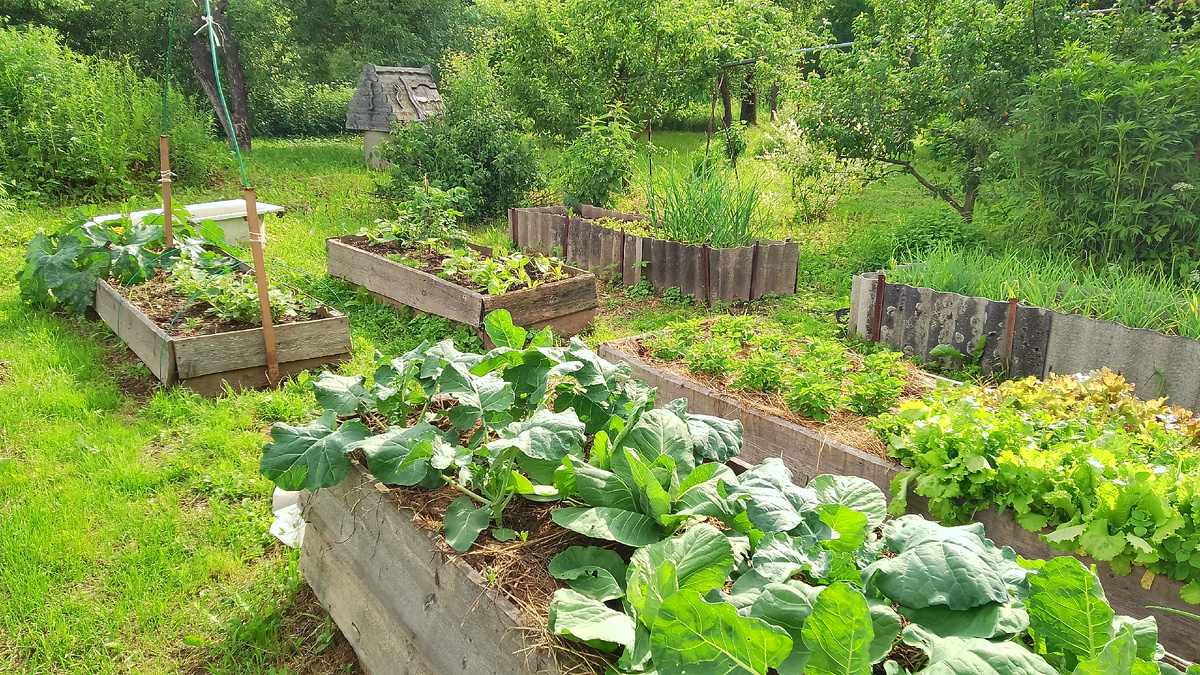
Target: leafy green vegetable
(973, 656)
(693, 636)
(590, 620)
(1068, 609)
(313, 455)
(838, 633)
(464, 522)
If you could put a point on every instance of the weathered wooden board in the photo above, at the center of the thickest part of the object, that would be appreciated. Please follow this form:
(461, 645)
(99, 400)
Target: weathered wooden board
(413, 287)
(809, 454)
(561, 304)
(136, 330)
(713, 275)
(206, 363)
(403, 605)
(244, 349)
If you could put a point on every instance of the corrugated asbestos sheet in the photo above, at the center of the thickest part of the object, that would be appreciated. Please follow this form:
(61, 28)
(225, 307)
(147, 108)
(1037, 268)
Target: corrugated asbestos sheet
(915, 320)
(728, 274)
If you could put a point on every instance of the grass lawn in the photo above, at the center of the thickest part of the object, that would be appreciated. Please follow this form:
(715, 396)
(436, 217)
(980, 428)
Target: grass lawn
(133, 520)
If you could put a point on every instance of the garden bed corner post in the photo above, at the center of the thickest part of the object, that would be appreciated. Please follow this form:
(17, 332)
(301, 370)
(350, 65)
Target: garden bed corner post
(877, 320)
(264, 298)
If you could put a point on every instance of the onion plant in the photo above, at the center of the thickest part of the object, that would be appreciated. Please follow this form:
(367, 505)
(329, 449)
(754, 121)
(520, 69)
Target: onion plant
(707, 204)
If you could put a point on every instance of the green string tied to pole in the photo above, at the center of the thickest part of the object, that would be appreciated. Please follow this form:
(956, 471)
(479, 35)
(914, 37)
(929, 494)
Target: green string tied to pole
(212, 48)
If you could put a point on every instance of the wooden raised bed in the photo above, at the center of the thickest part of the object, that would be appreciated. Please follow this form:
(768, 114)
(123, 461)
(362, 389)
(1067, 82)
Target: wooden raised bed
(203, 363)
(728, 275)
(403, 605)
(808, 454)
(567, 306)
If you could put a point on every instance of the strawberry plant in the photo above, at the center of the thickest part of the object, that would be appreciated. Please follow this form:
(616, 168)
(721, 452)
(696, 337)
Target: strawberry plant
(233, 295)
(1076, 457)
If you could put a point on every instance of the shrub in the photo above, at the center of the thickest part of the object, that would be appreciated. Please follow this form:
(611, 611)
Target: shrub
(928, 230)
(1109, 153)
(819, 179)
(294, 108)
(71, 125)
(597, 164)
(478, 145)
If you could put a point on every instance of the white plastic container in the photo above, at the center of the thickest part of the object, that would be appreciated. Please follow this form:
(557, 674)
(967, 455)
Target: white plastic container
(229, 215)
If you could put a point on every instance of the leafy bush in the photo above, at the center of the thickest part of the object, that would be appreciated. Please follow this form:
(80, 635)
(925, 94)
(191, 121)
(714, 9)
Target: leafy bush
(233, 295)
(707, 204)
(597, 163)
(1114, 476)
(1109, 153)
(80, 126)
(478, 145)
(429, 214)
(819, 178)
(294, 108)
(927, 230)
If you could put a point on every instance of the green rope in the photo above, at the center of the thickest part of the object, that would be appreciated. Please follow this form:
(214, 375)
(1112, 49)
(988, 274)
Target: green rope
(166, 121)
(212, 47)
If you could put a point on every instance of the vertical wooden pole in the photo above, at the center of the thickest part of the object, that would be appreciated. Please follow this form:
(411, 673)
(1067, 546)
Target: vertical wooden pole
(164, 167)
(260, 276)
(1010, 330)
(704, 261)
(880, 285)
(512, 226)
(621, 271)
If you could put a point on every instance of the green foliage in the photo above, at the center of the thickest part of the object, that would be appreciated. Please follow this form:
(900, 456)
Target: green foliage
(1108, 155)
(88, 127)
(233, 295)
(477, 145)
(735, 141)
(1079, 458)
(499, 274)
(61, 268)
(297, 108)
(429, 215)
(948, 74)
(819, 178)
(1057, 280)
(929, 230)
(815, 376)
(598, 162)
(706, 205)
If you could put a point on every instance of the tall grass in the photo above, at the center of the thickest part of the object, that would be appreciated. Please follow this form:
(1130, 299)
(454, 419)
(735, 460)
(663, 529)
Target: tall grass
(76, 126)
(1055, 280)
(707, 204)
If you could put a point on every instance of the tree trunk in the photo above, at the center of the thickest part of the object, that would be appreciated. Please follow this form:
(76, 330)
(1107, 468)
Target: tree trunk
(726, 100)
(749, 113)
(775, 101)
(198, 46)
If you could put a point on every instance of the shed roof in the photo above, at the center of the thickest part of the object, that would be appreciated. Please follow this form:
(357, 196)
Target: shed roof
(387, 94)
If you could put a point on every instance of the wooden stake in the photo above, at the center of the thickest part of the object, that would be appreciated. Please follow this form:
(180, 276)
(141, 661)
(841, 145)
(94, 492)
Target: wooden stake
(754, 270)
(566, 232)
(707, 284)
(1010, 329)
(260, 276)
(880, 285)
(164, 166)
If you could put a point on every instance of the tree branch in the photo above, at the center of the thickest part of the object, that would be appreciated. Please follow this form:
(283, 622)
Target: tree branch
(939, 191)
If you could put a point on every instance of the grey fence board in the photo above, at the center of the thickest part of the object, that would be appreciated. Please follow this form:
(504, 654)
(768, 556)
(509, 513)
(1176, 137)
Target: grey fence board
(723, 275)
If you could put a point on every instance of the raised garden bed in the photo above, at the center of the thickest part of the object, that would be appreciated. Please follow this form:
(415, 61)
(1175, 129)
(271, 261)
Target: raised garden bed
(402, 602)
(567, 306)
(809, 453)
(204, 363)
(1037, 341)
(712, 274)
